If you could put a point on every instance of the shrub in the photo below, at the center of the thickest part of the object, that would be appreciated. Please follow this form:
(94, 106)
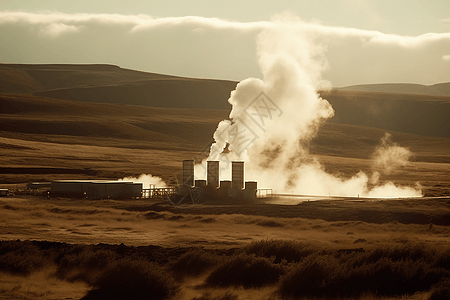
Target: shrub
(133, 279)
(441, 291)
(280, 250)
(194, 263)
(329, 276)
(22, 258)
(313, 276)
(227, 296)
(245, 270)
(84, 265)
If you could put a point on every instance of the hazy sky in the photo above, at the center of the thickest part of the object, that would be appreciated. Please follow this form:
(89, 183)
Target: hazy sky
(365, 41)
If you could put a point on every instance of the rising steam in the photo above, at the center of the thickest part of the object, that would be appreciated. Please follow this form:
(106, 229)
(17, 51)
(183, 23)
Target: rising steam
(389, 156)
(147, 180)
(273, 120)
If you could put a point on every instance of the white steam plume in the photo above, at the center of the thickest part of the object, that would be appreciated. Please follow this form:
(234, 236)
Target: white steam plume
(146, 180)
(390, 156)
(273, 120)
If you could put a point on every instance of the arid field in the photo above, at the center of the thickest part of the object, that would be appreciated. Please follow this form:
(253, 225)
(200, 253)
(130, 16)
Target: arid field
(279, 248)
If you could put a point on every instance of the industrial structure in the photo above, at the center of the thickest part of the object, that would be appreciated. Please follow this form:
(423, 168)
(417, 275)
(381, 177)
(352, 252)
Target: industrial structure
(189, 190)
(213, 189)
(95, 189)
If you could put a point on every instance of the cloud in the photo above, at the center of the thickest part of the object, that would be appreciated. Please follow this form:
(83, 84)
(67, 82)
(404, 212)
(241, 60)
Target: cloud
(446, 57)
(217, 48)
(56, 29)
(143, 22)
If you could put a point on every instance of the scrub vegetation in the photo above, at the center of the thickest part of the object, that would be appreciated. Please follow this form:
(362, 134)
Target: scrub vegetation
(293, 270)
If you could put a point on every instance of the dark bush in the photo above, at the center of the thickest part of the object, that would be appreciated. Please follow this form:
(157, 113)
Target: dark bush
(314, 276)
(280, 249)
(442, 259)
(133, 279)
(330, 276)
(441, 291)
(194, 263)
(227, 296)
(84, 265)
(245, 270)
(23, 258)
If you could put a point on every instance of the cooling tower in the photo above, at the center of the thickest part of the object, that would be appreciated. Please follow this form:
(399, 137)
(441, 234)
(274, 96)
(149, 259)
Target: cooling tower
(237, 175)
(212, 174)
(188, 172)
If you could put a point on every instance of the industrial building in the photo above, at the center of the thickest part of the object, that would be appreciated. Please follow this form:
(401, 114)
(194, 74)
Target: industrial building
(95, 189)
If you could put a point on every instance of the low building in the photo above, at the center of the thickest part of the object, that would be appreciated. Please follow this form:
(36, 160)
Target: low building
(95, 189)
(4, 192)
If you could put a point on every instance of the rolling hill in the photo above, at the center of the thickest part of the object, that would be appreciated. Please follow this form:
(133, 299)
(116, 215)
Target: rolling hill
(112, 84)
(411, 111)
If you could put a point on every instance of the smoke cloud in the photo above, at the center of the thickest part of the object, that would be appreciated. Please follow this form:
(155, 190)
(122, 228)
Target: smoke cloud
(273, 120)
(146, 180)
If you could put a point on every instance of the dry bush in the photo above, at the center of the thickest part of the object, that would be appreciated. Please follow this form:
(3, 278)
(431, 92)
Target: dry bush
(227, 296)
(245, 270)
(133, 279)
(383, 271)
(298, 270)
(84, 264)
(23, 258)
(194, 263)
(441, 291)
(287, 250)
(313, 277)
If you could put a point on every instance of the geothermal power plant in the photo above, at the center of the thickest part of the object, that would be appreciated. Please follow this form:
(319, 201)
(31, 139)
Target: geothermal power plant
(188, 190)
(215, 189)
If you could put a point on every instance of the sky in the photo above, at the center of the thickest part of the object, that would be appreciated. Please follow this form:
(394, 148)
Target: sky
(360, 41)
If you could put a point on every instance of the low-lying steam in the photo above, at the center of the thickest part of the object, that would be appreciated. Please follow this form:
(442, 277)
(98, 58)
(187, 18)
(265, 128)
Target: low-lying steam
(273, 120)
(147, 181)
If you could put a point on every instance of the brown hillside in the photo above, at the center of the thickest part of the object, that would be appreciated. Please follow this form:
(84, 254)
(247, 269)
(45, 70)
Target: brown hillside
(410, 113)
(184, 93)
(112, 84)
(416, 114)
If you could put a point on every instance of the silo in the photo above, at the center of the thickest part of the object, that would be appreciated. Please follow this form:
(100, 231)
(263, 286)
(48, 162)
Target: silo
(188, 172)
(237, 175)
(212, 174)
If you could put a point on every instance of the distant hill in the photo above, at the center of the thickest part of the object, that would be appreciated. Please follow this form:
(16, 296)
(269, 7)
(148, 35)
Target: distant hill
(441, 89)
(409, 108)
(112, 84)
(416, 114)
